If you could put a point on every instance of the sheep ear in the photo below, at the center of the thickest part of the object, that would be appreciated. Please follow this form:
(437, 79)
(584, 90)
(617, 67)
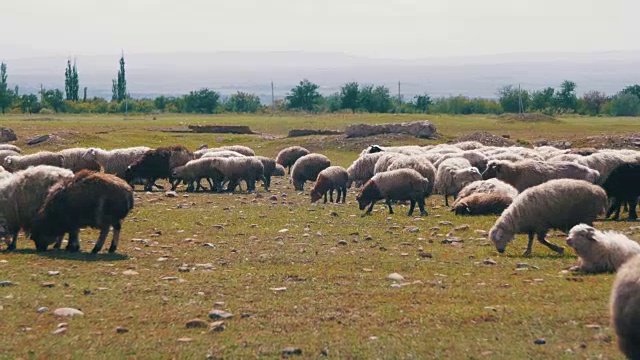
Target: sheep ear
(591, 234)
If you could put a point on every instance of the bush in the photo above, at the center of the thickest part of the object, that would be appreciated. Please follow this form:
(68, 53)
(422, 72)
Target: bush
(625, 104)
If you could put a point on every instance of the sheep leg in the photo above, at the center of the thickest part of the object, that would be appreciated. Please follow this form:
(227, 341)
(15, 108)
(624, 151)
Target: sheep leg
(58, 242)
(100, 243)
(632, 209)
(413, 206)
(174, 185)
(344, 195)
(211, 186)
(339, 195)
(368, 212)
(616, 206)
(544, 242)
(267, 182)
(325, 197)
(389, 205)
(14, 241)
(423, 212)
(74, 241)
(446, 200)
(331, 195)
(116, 237)
(251, 186)
(529, 246)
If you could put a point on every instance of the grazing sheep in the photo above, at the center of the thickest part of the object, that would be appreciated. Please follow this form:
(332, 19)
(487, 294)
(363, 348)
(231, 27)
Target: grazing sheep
(386, 160)
(221, 153)
(624, 307)
(157, 164)
(244, 150)
(623, 184)
(405, 150)
(22, 194)
(10, 148)
(469, 145)
(454, 174)
(488, 187)
(279, 170)
(6, 153)
(22, 162)
(506, 156)
(89, 199)
(476, 159)
(269, 169)
(236, 169)
(482, 204)
(525, 174)
(600, 251)
(417, 163)
(556, 204)
(604, 163)
(194, 171)
(363, 168)
(565, 157)
(116, 161)
(288, 156)
(526, 153)
(329, 179)
(307, 168)
(401, 184)
(75, 160)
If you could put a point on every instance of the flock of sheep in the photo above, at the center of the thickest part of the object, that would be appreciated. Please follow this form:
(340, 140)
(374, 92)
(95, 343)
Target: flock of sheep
(50, 194)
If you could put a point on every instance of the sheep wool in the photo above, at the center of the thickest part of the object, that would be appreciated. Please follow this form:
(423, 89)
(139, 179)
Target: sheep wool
(330, 179)
(487, 187)
(482, 204)
(10, 148)
(363, 168)
(116, 161)
(307, 168)
(401, 184)
(288, 156)
(236, 169)
(22, 162)
(417, 163)
(454, 174)
(600, 251)
(624, 306)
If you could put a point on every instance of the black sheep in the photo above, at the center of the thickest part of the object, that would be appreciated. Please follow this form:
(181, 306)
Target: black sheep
(623, 185)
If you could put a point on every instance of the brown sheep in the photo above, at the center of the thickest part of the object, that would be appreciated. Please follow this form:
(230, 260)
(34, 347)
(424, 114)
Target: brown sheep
(157, 164)
(482, 204)
(91, 199)
(329, 179)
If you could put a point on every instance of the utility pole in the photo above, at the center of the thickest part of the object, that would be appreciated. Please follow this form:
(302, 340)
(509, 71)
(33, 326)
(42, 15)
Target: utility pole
(399, 95)
(273, 99)
(520, 105)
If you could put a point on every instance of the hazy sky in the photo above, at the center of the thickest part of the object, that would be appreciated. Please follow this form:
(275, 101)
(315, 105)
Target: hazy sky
(393, 28)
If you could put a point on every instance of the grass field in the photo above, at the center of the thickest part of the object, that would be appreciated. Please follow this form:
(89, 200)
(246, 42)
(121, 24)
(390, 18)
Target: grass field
(181, 257)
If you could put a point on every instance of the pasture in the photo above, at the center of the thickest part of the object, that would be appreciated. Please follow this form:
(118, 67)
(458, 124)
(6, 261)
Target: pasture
(294, 274)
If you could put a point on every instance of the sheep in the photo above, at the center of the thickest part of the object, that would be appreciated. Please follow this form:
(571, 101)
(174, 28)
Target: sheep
(363, 168)
(269, 169)
(604, 163)
(221, 153)
(559, 204)
(506, 156)
(244, 150)
(22, 194)
(279, 170)
(476, 159)
(22, 162)
(307, 168)
(288, 156)
(386, 160)
(526, 153)
(157, 164)
(482, 204)
(622, 185)
(10, 148)
(565, 157)
(488, 187)
(599, 251)
(116, 161)
(75, 160)
(401, 184)
(237, 169)
(194, 171)
(405, 150)
(329, 179)
(469, 145)
(624, 307)
(454, 174)
(4, 173)
(88, 199)
(6, 153)
(417, 163)
(525, 174)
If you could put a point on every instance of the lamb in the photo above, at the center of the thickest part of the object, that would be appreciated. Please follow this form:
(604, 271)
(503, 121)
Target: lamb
(525, 174)
(157, 164)
(75, 160)
(488, 187)
(454, 174)
(599, 251)
(22, 194)
(624, 307)
(10, 148)
(329, 179)
(288, 156)
(195, 170)
(559, 204)
(363, 168)
(476, 159)
(386, 160)
(92, 199)
(116, 161)
(22, 162)
(236, 169)
(622, 185)
(401, 184)
(482, 204)
(417, 163)
(307, 168)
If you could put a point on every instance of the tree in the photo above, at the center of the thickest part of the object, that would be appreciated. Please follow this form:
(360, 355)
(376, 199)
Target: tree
(305, 96)
(510, 98)
(566, 98)
(625, 104)
(381, 100)
(29, 104)
(54, 99)
(71, 82)
(243, 102)
(543, 100)
(203, 101)
(119, 84)
(349, 96)
(160, 103)
(84, 95)
(633, 89)
(593, 101)
(422, 102)
(6, 96)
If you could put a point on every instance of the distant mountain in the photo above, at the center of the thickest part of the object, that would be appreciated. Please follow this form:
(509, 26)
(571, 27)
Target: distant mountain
(150, 75)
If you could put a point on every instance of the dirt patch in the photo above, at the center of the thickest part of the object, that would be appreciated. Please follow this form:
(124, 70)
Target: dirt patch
(221, 129)
(307, 132)
(421, 129)
(485, 138)
(612, 141)
(527, 117)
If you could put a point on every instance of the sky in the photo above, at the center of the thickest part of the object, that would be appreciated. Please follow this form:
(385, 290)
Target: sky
(374, 28)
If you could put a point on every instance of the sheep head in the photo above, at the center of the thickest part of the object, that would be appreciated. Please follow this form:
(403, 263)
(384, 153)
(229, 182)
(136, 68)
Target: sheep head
(492, 171)
(500, 237)
(92, 153)
(467, 176)
(581, 236)
(315, 196)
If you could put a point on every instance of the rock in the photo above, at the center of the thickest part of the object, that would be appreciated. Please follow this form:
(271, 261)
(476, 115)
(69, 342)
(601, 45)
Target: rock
(421, 129)
(461, 227)
(425, 255)
(288, 351)
(183, 269)
(342, 242)
(279, 289)
(324, 352)
(452, 241)
(6, 283)
(185, 340)
(540, 341)
(368, 238)
(489, 262)
(130, 272)
(395, 277)
(7, 135)
(282, 231)
(53, 273)
(63, 325)
(593, 326)
(171, 194)
(60, 331)
(412, 229)
(273, 198)
(38, 139)
(447, 223)
(67, 312)
(170, 278)
(522, 265)
(48, 284)
(216, 314)
(42, 310)
(121, 330)
(196, 323)
(217, 326)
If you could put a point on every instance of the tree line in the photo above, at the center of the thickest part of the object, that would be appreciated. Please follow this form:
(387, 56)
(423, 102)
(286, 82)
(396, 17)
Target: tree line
(352, 97)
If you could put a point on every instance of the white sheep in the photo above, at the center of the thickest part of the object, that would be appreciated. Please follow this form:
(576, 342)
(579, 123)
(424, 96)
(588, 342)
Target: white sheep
(4, 173)
(22, 194)
(488, 187)
(469, 145)
(195, 170)
(604, 163)
(401, 184)
(279, 171)
(386, 160)
(477, 159)
(624, 306)
(221, 153)
(556, 204)
(454, 174)
(116, 161)
(236, 169)
(307, 168)
(6, 153)
(565, 157)
(600, 251)
(22, 162)
(288, 156)
(418, 163)
(507, 156)
(10, 148)
(363, 168)
(75, 160)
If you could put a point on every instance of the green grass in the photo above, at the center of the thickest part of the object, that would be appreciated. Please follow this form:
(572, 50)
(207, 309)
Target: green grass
(337, 296)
